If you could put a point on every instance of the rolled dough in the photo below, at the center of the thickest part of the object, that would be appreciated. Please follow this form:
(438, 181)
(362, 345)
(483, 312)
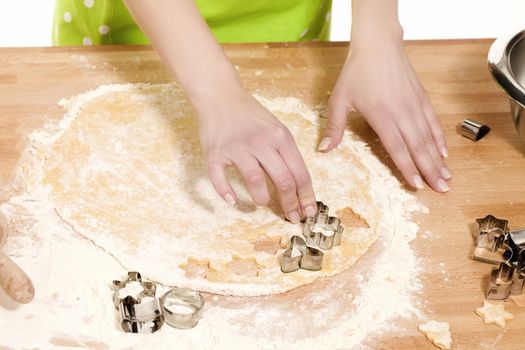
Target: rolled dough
(126, 171)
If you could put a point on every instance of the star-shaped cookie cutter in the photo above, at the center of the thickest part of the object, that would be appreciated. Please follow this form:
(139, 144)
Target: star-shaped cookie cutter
(322, 230)
(301, 256)
(138, 316)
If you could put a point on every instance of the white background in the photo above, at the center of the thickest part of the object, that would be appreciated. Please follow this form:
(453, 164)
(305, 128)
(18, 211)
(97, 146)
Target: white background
(28, 22)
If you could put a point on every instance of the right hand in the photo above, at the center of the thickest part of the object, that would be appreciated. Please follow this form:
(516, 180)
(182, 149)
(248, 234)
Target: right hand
(236, 130)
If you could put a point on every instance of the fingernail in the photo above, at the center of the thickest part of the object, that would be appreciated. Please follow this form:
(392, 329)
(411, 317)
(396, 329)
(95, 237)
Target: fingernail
(229, 199)
(442, 185)
(444, 152)
(294, 217)
(446, 173)
(418, 181)
(323, 146)
(310, 211)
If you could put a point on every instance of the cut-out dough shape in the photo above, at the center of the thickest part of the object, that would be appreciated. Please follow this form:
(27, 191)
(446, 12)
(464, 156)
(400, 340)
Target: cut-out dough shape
(494, 313)
(438, 333)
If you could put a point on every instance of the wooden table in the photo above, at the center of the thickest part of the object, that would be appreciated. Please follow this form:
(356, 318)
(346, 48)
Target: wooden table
(487, 174)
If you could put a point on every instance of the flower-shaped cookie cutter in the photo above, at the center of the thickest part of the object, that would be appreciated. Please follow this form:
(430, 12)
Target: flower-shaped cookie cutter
(301, 256)
(141, 313)
(322, 230)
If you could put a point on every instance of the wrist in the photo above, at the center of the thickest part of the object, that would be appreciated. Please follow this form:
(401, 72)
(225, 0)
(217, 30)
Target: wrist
(210, 97)
(375, 23)
(212, 86)
(370, 41)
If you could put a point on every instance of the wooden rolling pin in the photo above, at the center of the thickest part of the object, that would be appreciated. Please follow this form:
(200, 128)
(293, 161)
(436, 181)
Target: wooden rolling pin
(13, 279)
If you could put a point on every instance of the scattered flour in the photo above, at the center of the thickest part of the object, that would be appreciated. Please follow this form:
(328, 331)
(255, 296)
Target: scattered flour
(72, 276)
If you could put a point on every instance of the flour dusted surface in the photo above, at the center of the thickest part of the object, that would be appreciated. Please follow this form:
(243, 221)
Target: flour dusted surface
(74, 260)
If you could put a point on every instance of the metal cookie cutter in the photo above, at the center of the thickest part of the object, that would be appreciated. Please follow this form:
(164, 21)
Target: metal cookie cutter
(182, 307)
(141, 313)
(473, 130)
(322, 230)
(509, 278)
(490, 242)
(300, 255)
(496, 244)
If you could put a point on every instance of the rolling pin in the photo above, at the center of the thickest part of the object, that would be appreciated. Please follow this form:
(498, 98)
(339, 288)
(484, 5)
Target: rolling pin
(13, 280)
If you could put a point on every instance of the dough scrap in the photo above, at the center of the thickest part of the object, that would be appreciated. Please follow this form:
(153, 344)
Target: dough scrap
(438, 333)
(494, 313)
(126, 172)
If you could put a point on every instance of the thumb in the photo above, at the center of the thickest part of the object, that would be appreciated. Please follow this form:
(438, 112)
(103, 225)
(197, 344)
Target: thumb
(335, 127)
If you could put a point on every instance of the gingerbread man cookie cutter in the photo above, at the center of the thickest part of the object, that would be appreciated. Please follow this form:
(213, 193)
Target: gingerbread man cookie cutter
(301, 256)
(321, 232)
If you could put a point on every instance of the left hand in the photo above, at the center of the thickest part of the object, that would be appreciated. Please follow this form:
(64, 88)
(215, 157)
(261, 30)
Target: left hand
(378, 81)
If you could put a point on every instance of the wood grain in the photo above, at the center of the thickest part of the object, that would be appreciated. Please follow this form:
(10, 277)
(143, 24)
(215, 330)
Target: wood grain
(488, 175)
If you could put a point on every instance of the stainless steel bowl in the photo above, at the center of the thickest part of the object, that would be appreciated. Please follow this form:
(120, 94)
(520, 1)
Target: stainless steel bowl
(507, 65)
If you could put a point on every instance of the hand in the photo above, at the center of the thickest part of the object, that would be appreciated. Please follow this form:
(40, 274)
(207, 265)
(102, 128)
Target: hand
(236, 130)
(378, 81)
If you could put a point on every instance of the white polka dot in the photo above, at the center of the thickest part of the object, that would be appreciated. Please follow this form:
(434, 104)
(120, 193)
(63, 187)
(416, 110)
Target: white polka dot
(304, 33)
(86, 41)
(103, 29)
(328, 16)
(67, 17)
(89, 3)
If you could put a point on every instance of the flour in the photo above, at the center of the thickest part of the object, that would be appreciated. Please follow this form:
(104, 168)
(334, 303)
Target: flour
(72, 278)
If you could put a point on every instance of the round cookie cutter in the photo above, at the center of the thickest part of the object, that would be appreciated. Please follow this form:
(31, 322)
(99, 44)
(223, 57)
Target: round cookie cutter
(182, 307)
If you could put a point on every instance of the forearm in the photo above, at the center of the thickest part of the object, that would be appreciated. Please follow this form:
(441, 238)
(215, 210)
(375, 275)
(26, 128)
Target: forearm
(375, 20)
(185, 44)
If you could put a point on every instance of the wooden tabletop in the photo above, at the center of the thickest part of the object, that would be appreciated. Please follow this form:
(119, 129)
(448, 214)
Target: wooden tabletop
(487, 174)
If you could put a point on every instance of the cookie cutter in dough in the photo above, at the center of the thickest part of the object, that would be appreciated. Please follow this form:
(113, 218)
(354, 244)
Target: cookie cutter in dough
(322, 230)
(141, 313)
(473, 130)
(497, 245)
(182, 307)
(301, 256)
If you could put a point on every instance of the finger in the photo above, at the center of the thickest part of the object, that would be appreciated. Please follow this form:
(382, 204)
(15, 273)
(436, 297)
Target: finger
(220, 182)
(419, 144)
(398, 150)
(435, 127)
(303, 181)
(437, 149)
(430, 114)
(283, 181)
(335, 127)
(433, 150)
(254, 178)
